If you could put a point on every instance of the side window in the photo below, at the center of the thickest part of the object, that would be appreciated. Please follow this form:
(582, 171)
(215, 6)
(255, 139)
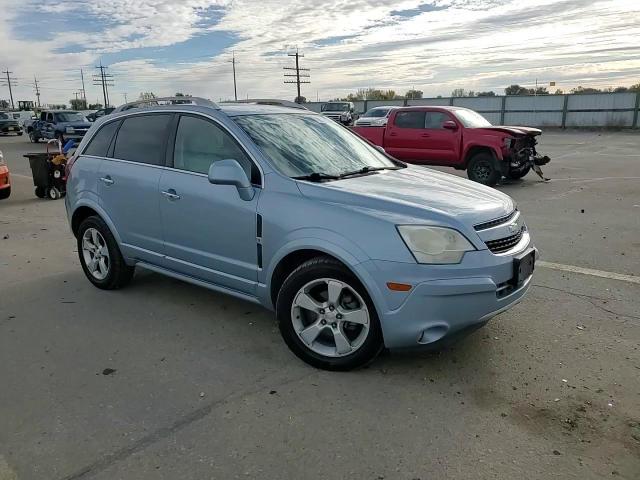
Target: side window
(434, 120)
(200, 142)
(142, 139)
(99, 145)
(50, 117)
(410, 120)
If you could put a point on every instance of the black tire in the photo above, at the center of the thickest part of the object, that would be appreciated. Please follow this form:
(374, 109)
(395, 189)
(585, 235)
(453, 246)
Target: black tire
(518, 174)
(119, 274)
(33, 137)
(483, 168)
(19, 134)
(319, 268)
(5, 193)
(41, 192)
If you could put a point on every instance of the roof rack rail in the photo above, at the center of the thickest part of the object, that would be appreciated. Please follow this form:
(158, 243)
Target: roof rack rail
(174, 101)
(269, 101)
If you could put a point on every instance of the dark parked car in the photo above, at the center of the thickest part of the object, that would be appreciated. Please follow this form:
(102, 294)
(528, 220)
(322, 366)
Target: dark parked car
(92, 117)
(59, 124)
(9, 125)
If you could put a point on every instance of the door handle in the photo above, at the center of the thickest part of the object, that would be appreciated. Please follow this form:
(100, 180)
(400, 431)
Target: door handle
(425, 135)
(171, 194)
(107, 180)
(393, 134)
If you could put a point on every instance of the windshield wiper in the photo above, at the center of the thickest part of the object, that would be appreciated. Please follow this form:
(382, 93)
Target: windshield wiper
(317, 177)
(367, 169)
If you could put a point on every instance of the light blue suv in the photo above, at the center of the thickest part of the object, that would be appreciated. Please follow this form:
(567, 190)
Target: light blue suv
(355, 251)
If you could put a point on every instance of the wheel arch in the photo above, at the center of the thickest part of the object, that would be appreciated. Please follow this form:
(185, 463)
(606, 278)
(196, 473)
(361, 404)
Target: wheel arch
(87, 209)
(474, 150)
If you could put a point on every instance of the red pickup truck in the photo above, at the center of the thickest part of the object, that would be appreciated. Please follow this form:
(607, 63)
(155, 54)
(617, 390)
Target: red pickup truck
(460, 138)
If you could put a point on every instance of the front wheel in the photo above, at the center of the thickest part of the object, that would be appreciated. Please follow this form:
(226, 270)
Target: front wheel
(482, 168)
(326, 317)
(518, 174)
(33, 137)
(100, 256)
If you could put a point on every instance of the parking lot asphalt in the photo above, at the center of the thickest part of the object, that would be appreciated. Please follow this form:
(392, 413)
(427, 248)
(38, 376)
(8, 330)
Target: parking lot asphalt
(165, 380)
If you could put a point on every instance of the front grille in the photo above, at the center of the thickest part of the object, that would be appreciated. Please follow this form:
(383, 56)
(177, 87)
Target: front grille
(504, 244)
(496, 222)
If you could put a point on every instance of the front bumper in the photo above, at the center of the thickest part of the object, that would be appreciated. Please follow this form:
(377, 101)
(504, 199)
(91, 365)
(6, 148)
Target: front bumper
(445, 300)
(11, 129)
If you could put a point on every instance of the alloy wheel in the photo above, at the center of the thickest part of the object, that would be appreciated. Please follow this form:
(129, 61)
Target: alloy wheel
(95, 253)
(330, 317)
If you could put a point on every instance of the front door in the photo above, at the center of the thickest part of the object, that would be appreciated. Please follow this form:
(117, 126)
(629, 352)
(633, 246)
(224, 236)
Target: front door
(209, 231)
(128, 184)
(441, 145)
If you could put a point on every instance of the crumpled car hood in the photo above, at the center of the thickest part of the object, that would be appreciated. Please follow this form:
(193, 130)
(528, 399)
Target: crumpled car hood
(516, 131)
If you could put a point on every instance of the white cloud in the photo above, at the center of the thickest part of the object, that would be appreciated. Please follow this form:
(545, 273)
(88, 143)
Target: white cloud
(475, 44)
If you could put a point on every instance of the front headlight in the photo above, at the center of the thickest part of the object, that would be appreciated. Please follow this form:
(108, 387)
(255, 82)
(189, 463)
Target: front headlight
(435, 245)
(70, 130)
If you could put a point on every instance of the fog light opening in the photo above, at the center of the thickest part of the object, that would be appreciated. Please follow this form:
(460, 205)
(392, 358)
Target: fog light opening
(434, 333)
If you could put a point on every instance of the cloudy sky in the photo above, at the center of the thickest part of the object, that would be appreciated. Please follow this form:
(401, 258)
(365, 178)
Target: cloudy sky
(165, 46)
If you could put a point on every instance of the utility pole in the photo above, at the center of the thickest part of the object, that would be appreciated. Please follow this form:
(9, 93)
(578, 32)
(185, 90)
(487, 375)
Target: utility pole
(298, 75)
(9, 80)
(125, 97)
(105, 80)
(233, 62)
(35, 82)
(84, 92)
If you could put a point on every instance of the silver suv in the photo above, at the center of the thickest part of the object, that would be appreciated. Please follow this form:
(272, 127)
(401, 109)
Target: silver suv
(285, 208)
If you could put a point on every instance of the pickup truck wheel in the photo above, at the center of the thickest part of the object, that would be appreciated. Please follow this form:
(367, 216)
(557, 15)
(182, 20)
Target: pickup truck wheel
(517, 174)
(482, 169)
(326, 316)
(33, 137)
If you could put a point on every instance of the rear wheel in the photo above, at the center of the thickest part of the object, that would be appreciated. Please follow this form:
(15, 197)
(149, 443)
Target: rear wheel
(482, 168)
(327, 318)
(100, 256)
(5, 193)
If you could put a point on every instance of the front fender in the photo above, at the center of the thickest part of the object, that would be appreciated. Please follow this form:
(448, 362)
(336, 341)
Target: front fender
(493, 147)
(324, 241)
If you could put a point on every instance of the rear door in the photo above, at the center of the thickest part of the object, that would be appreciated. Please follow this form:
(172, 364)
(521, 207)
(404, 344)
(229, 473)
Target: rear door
(128, 184)
(404, 136)
(441, 145)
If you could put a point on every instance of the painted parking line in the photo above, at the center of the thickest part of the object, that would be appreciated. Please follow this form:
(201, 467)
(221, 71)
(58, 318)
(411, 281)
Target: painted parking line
(589, 271)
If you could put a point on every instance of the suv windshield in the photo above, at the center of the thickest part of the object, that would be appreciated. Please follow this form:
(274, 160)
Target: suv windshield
(300, 145)
(471, 119)
(70, 117)
(335, 107)
(377, 112)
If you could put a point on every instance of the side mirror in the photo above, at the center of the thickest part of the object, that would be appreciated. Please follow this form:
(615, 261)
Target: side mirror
(450, 125)
(229, 172)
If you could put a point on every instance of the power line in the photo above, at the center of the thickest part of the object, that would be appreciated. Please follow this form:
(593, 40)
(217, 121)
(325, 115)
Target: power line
(298, 75)
(9, 80)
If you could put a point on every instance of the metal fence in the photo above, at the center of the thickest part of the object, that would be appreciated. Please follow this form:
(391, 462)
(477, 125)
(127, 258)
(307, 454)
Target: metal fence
(614, 110)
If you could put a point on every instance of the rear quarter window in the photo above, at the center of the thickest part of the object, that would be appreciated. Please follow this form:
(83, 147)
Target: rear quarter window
(99, 144)
(142, 139)
(410, 120)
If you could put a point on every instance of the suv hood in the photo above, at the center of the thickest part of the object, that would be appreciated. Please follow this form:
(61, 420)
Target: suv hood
(415, 192)
(515, 131)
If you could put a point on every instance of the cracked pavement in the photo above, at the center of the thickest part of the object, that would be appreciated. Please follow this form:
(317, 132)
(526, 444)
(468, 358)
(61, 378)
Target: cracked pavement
(203, 387)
